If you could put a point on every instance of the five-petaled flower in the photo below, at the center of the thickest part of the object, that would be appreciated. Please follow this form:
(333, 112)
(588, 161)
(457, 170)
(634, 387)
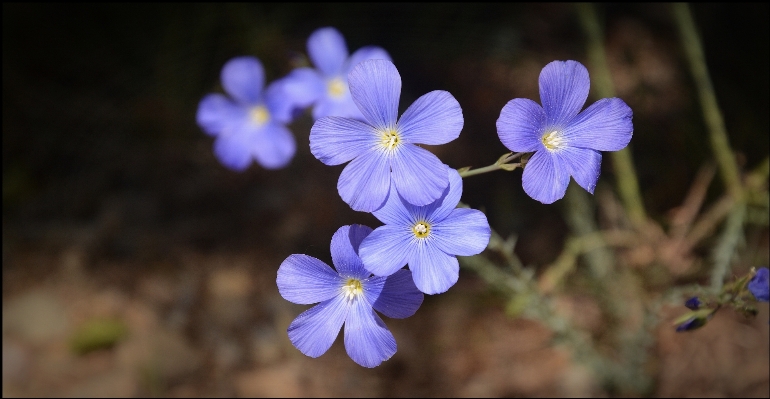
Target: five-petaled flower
(350, 295)
(565, 140)
(383, 149)
(326, 87)
(251, 123)
(428, 238)
(759, 285)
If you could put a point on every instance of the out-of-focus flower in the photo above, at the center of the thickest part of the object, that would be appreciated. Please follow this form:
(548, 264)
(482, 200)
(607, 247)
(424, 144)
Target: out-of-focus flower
(565, 141)
(347, 296)
(428, 238)
(326, 86)
(384, 148)
(693, 303)
(694, 319)
(250, 123)
(759, 285)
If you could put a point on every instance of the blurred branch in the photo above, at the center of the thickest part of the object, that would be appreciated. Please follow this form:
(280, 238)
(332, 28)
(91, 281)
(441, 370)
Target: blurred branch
(712, 115)
(627, 181)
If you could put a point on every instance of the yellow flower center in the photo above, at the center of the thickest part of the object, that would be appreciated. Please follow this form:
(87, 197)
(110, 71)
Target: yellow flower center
(390, 139)
(352, 288)
(552, 140)
(259, 115)
(421, 229)
(336, 88)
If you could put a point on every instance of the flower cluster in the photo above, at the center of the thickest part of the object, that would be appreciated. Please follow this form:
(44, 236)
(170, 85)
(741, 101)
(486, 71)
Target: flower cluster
(355, 102)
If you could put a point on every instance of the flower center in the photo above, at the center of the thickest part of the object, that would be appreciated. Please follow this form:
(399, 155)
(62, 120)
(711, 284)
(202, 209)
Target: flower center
(552, 140)
(352, 289)
(336, 88)
(421, 229)
(259, 115)
(390, 139)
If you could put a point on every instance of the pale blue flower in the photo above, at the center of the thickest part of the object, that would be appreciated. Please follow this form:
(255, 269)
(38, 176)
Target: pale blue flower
(384, 149)
(250, 124)
(428, 238)
(349, 296)
(326, 87)
(759, 285)
(565, 141)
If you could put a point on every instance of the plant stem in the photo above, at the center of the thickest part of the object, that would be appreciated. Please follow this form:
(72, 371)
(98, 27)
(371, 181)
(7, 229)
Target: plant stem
(623, 164)
(501, 163)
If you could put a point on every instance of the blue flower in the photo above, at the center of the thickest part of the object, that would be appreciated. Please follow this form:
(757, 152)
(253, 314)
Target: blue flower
(566, 141)
(350, 295)
(326, 87)
(251, 123)
(384, 143)
(428, 238)
(759, 285)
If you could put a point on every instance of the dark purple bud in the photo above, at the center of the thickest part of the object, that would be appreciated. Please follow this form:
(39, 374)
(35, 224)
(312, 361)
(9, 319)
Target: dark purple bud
(691, 324)
(693, 303)
(759, 285)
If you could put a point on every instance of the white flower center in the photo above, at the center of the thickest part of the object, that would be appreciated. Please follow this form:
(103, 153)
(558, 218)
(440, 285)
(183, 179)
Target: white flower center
(336, 88)
(390, 139)
(421, 229)
(259, 115)
(552, 140)
(352, 289)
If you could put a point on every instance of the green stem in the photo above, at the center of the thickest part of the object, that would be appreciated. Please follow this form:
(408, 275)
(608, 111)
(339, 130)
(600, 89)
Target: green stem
(720, 143)
(622, 162)
(501, 163)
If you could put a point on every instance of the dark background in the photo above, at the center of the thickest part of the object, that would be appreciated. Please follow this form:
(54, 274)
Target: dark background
(102, 156)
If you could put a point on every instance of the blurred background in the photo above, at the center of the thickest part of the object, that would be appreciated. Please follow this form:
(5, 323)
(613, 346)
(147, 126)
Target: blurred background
(135, 264)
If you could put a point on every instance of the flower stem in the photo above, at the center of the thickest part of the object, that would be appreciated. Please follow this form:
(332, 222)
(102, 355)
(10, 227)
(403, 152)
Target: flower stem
(622, 162)
(712, 115)
(502, 163)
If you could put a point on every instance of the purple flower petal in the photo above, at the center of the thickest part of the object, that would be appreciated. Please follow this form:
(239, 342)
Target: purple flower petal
(419, 176)
(304, 280)
(386, 249)
(304, 86)
(243, 79)
(217, 113)
(564, 89)
(543, 179)
(234, 150)
(313, 332)
(440, 209)
(274, 146)
(521, 125)
(604, 126)
(395, 296)
(335, 140)
(433, 270)
(344, 247)
(435, 118)
(395, 211)
(367, 340)
(464, 232)
(759, 285)
(376, 87)
(341, 106)
(583, 164)
(327, 49)
(364, 184)
(367, 53)
(278, 103)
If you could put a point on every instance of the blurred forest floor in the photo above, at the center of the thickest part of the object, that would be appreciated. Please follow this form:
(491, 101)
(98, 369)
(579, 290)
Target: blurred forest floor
(134, 264)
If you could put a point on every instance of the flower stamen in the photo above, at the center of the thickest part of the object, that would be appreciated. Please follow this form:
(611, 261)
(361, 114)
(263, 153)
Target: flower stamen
(390, 139)
(552, 140)
(421, 229)
(259, 115)
(352, 289)
(336, 88)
